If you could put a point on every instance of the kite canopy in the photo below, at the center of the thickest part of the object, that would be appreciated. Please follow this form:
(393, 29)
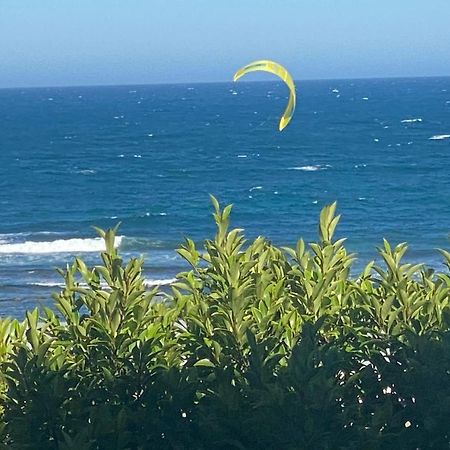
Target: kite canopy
(277, 69)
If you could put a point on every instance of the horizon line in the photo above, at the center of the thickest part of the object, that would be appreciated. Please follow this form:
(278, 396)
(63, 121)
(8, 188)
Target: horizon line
(68, 86)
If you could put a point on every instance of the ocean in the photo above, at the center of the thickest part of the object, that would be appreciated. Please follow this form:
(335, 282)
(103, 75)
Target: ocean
(148, 156)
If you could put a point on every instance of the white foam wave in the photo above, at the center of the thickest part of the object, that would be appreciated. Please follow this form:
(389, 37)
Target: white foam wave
(75, 245)
(419, 119)
(309, 168)
(48, 284)
(161, 282)
(54, 284)
(439, 137)
(147, 282)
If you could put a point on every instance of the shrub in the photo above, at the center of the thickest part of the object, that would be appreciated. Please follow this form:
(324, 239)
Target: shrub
(254, 347)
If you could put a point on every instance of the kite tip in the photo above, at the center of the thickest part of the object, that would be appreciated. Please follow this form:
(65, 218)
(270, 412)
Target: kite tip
(283, 123)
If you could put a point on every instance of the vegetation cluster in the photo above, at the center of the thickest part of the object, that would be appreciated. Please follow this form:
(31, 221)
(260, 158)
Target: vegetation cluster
(253, 347)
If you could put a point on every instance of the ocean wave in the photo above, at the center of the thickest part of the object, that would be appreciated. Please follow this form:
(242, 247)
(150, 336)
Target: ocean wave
(312, 168)
(439, 137)
(47, 284)
(419, 119)
(10, 236)
(162, 282)
(86, 172)
(75, 245)
(148, 282)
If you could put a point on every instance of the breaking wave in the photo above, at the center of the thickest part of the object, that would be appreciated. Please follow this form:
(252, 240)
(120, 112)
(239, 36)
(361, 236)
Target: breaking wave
(75, 245)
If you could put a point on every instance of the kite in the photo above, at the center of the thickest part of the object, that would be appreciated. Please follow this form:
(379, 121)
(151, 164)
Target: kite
(280, 71)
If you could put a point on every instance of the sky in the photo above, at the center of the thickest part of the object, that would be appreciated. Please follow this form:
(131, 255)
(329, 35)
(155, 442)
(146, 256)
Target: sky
(104, 42)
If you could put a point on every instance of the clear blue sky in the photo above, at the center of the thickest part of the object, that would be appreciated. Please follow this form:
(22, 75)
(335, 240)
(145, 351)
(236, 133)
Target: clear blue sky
(79, 42)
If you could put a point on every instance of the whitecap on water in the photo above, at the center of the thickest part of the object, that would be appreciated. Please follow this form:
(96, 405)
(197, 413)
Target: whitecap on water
(47, 284)
(439, 137)
(419, 119)
(310, 168)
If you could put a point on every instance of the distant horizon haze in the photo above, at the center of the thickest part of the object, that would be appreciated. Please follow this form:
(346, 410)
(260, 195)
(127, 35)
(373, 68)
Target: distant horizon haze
(108, 42)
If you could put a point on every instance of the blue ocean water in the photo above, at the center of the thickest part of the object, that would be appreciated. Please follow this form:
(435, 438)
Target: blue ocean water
(148, 156)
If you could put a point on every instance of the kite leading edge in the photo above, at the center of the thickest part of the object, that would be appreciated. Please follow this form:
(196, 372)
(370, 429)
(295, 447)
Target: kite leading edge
(280, 71)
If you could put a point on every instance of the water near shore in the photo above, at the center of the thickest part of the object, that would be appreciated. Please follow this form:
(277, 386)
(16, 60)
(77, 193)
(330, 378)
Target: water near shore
(148, 156)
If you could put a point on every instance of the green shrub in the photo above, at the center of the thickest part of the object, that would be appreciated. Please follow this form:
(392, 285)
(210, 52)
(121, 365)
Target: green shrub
(11, 334)
(254, 347)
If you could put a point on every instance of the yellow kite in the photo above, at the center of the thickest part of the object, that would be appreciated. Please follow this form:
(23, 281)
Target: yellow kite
(280, 71)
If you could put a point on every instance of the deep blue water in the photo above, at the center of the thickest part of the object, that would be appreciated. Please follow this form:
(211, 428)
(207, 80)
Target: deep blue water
(148, 156)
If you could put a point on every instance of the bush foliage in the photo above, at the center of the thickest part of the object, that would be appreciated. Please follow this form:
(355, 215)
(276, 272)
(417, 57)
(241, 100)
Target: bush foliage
(253, 347)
